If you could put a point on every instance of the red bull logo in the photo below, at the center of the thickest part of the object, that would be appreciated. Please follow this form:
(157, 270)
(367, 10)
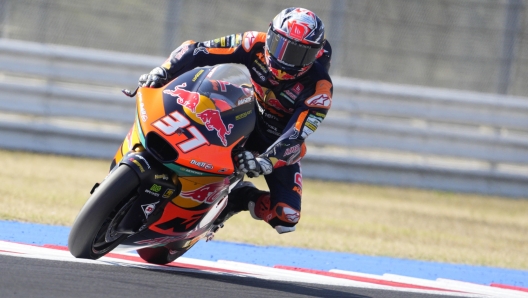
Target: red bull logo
(213, 121)
(280, 74)
(207, 193)
(278, 105)
(184, 97)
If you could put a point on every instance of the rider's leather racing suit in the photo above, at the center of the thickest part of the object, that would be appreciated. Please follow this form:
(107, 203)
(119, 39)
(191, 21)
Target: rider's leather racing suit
(289, 111)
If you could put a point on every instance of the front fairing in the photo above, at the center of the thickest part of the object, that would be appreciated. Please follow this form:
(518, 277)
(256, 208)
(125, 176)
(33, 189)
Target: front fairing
(203, 114)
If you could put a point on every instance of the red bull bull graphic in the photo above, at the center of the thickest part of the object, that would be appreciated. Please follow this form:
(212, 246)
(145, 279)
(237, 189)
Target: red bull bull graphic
(278, 105)
(213, 121)
(207, 193)
(280, 74)
(184, 97)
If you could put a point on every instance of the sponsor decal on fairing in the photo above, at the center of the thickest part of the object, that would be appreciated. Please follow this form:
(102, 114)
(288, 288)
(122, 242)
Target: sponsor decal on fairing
(168, 193)
(141, 169)
(197, 75)
(244, 101)
(142, 111)
(207, 193)
(152, 193)
(243, 115)
(149, 208)
(202, 164)
(144, 160)
(162, 176)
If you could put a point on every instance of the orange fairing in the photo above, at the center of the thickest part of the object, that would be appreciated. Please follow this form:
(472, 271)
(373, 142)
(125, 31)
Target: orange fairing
(200, 190)
(197, 197)
(131, 140)
(184, 127)
(176, 220)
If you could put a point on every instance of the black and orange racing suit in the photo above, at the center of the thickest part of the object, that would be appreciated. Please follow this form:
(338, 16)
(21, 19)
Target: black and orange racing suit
(289, 111)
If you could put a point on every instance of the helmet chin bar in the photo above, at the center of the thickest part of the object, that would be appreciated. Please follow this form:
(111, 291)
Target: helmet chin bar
(281, 71)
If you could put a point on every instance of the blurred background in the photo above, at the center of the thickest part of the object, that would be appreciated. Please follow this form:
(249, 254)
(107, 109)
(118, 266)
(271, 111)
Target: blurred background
(428, 94)
(479, 45)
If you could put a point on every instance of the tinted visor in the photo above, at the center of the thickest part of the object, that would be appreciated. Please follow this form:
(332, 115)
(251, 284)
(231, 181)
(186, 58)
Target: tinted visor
(289, 52)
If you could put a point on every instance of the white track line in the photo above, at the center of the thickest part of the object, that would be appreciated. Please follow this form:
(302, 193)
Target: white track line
(270, 273)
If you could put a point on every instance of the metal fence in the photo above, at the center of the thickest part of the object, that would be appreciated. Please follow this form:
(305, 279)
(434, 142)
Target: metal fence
(67, 100)
(475, 45)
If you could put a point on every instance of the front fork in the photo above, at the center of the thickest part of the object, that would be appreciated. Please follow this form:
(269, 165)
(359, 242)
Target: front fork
(158, 186)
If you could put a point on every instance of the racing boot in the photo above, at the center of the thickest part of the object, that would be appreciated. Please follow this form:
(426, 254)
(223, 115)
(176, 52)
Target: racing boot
(282, 217)
(237, 201)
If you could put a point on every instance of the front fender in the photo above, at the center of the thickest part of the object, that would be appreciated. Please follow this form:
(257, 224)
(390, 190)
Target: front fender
(157, 186)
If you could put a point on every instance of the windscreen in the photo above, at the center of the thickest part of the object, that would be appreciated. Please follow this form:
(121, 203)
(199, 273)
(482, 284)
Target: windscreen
(229, 83)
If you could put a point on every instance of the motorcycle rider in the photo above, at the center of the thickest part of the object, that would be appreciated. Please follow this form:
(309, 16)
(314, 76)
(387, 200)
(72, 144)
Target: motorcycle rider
(289, 71)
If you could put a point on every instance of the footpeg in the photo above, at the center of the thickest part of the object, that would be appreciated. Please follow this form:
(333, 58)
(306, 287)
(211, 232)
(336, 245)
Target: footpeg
(210, 235)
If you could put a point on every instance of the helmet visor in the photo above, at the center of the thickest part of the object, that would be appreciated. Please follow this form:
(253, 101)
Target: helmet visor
(289, 52)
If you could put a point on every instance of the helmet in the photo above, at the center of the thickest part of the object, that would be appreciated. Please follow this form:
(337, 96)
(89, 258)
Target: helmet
(294, 40)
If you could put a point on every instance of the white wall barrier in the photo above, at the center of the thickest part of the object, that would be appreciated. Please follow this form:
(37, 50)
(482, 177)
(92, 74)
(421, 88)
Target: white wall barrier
(67, 100)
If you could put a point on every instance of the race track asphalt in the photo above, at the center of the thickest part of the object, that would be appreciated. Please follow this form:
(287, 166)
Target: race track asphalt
(28, 277)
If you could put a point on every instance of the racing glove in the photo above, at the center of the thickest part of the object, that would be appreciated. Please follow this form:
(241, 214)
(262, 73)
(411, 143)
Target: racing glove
(253, 166)
(155, 79)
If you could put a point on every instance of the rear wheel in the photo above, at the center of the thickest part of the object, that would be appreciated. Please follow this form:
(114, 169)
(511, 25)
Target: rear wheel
(93, 233)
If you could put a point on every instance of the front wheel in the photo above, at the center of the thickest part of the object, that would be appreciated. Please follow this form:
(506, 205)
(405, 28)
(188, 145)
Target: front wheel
(93, 233)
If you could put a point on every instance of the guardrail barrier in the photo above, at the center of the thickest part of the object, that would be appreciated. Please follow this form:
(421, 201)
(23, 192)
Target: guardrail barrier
(67, 100)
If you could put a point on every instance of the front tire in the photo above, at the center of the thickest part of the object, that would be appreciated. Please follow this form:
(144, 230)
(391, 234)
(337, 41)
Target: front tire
(92, 234)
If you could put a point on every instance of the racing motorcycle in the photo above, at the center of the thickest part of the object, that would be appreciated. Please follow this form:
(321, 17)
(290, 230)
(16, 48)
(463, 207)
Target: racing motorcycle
(170, 177)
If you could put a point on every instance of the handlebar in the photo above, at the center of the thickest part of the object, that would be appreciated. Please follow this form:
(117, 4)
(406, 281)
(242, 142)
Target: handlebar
(130, 93)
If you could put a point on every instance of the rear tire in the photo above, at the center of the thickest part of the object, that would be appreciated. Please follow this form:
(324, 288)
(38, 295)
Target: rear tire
(92, 234)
